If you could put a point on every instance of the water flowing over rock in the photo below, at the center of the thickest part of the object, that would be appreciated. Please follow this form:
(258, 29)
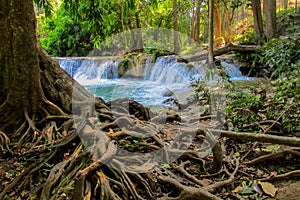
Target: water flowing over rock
(89, 71)
(100, 77)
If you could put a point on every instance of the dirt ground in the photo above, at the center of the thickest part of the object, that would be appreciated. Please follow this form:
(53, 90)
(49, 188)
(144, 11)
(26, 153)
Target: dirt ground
(288, 190)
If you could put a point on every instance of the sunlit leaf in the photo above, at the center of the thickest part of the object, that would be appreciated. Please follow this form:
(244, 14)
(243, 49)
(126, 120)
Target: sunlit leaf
(268, 188)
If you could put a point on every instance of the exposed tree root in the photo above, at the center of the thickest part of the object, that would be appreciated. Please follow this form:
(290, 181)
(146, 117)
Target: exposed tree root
(80, 157)
(275, 155)
(282, 176)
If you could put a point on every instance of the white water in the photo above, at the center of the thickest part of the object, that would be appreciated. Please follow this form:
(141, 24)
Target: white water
(100, 77)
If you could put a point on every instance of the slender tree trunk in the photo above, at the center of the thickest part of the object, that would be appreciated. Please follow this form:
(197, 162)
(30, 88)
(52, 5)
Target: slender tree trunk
(243, 12)
(176, 34)
(286, 3)
(192, 23)
(188, 30)
(123, 26)
(197, 36)
(139, 39)
(229, 40)
(270, 19)
(211, 62)
(258, 25)
(264, 6)
(218, 23)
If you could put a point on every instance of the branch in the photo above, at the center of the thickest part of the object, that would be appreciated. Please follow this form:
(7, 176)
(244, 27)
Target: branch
(289, 141)
(228, 48)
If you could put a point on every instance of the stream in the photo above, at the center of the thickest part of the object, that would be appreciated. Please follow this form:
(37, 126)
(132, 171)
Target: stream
(149, 83)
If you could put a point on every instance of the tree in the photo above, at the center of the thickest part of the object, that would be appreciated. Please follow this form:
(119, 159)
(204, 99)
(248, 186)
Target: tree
(211, 62)
(270, 19)
(218, 23)
(198, 9)
(176, 33)
(230, 7)
(258, 22)
(35, 91)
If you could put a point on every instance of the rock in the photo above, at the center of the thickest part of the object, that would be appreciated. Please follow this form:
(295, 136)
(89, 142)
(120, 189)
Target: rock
(168, 93)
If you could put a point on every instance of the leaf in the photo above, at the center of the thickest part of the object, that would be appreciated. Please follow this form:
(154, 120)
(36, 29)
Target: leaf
(207, 181)
(271, 148)
(268, 188)
(167, 166)
(238, 189)
(247, 190)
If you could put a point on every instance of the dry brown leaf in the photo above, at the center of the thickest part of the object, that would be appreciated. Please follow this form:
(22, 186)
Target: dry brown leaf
(238, 189)
(268, 188)
(206, 181)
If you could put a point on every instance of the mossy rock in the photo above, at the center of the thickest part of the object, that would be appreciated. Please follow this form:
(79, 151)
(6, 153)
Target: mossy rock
(124, 66)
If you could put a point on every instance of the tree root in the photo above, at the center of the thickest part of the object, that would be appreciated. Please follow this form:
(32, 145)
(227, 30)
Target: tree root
(4, 143)
(188, 192)
(282, 176)
(272, 156)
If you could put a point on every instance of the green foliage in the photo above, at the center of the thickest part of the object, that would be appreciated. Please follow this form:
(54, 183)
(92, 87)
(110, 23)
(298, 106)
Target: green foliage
(65, 36)
(257, 110)
(211, 93)
(156, 52)
(279, 56)
(244, 33)
(46, 5)
(288, 22)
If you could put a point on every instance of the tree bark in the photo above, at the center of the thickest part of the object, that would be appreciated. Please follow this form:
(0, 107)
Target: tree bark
(218, 24)
(197, 36)
(176, 34)
(19, 69)
(230, 47)
(270, 19)
(192, 22)
(139, 39)
(258, 23)
(211, 62)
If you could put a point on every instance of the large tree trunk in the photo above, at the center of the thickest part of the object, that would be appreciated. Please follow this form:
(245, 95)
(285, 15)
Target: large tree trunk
(20, 89)
(258, 23)
(270, 19)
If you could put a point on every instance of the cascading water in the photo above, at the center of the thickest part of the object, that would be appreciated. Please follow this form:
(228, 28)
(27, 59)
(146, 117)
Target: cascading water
(90, 71)
(167, 70)
(100, 77)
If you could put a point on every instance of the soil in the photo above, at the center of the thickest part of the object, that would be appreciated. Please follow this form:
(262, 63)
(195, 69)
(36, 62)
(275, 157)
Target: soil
(288, 190)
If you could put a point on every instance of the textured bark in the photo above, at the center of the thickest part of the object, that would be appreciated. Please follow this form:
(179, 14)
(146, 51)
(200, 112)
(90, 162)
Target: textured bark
(197, 36)
(176, 34)
(218, 23)
(211, 34)
(230, 47)
(139, 37)
(270, 19)
(258, 25)
(20, 85)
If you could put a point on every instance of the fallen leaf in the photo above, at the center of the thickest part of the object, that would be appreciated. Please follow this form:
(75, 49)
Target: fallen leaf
(206, 181)
(268, 188)
(238, 189)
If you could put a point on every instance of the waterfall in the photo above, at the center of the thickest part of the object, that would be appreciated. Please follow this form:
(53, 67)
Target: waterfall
(166, 70)
(70, 65)
(90, 71)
